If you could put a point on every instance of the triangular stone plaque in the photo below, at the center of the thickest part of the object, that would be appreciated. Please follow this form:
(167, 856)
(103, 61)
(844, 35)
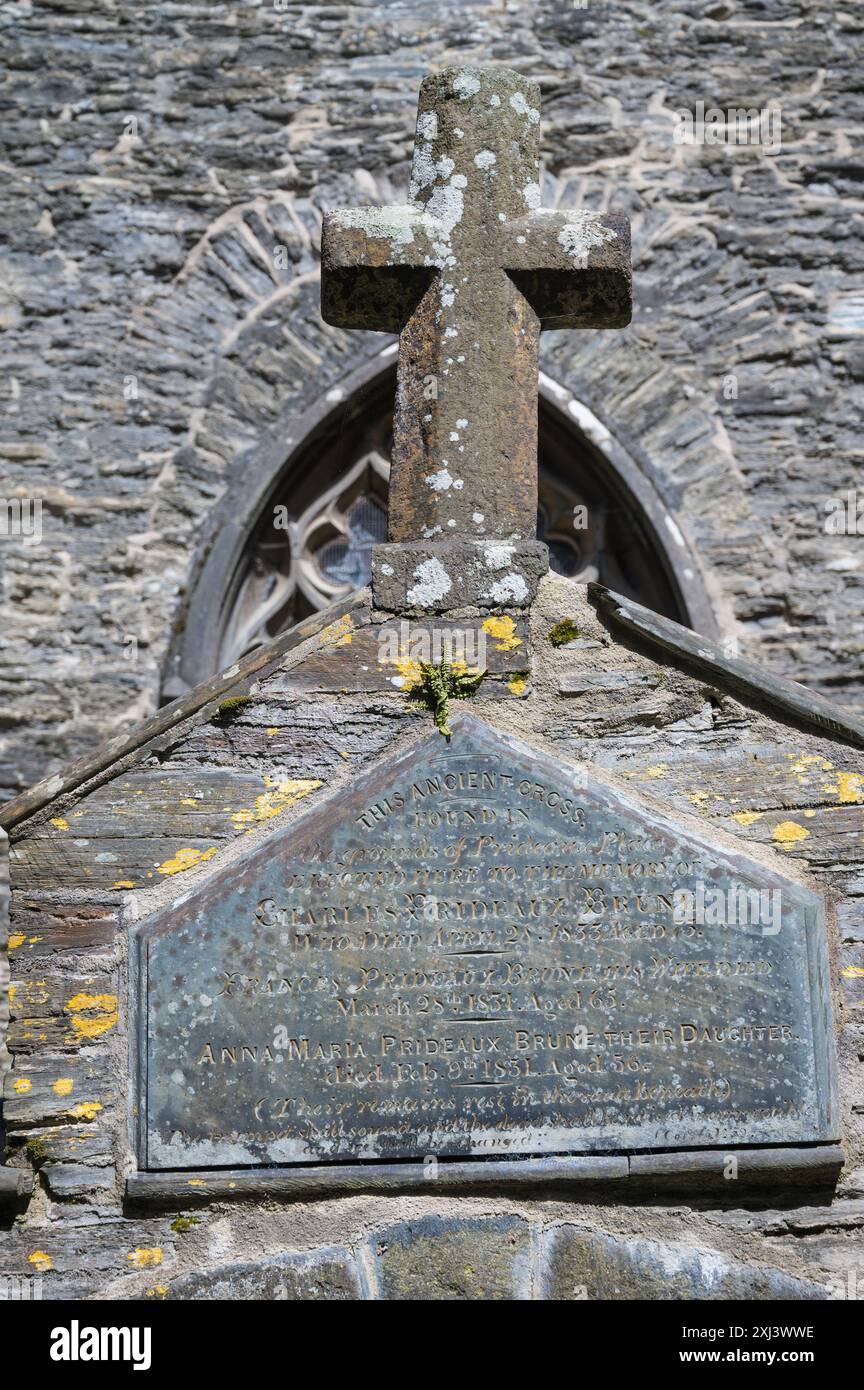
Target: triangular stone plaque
(477, 950)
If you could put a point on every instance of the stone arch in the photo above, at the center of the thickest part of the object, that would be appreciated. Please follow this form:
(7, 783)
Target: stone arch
(241, 326)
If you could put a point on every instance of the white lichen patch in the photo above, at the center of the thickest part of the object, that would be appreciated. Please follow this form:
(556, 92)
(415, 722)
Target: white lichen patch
(511, 588)
(485, 159)
(521, 107)
(531, 194)
(495, 100)
(427, 125)
(466, 85)
(447, 205)
(498, 556)
(433, 583)
(441, 481)
(394, 224)
(578, 238)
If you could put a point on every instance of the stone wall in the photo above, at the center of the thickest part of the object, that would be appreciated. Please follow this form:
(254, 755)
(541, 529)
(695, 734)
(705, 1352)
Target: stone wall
(154, 156)
(144, 824)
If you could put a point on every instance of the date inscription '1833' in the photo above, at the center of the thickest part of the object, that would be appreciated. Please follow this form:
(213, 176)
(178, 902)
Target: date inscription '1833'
(478, 950)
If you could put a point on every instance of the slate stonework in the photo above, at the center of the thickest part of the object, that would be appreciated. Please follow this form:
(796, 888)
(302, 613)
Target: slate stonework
(143, 248)
(210, 780)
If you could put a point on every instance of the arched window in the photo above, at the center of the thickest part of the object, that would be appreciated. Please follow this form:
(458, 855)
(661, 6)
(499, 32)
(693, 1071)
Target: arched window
(297, 531)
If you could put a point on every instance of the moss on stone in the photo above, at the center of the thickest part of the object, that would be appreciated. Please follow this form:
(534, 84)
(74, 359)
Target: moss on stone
(181, 1224)
(563, 632)
(229, 709)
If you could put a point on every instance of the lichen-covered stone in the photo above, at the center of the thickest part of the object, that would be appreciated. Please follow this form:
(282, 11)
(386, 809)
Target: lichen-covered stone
(440, 1258)
(584, 1264)
(330, 1275)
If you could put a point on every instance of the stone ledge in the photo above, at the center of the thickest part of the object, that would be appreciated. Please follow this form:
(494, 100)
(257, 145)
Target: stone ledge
(816, 1166)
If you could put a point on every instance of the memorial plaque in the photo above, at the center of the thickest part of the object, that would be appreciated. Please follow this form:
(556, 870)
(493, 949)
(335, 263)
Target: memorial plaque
(478, 950)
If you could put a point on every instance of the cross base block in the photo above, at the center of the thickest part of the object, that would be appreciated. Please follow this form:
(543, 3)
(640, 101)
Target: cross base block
(417, 577)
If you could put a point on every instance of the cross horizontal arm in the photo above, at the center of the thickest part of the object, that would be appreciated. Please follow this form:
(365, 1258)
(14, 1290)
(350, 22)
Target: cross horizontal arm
(572, 267)
(377, 264)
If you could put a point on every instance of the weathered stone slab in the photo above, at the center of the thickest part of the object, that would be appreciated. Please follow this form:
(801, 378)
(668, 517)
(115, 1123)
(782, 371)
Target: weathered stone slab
(330, 1275)
(591, 1265)
(440, 1258)
(472, 950)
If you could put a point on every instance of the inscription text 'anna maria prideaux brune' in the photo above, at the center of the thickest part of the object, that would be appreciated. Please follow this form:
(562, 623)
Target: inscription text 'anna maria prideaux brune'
(475, 950)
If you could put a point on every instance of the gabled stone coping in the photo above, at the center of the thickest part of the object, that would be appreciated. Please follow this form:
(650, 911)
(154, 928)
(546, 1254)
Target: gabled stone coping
(744, 677)
(676, 641)
(132, 745)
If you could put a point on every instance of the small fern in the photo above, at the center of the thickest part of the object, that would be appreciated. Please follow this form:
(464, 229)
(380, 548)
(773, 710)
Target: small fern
(439, 685)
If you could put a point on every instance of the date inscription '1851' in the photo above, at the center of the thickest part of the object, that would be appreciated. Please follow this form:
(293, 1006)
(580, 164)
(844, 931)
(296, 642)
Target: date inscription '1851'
(478, 950)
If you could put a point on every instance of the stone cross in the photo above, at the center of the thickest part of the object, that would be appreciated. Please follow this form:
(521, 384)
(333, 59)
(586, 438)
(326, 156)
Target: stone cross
(468, 273)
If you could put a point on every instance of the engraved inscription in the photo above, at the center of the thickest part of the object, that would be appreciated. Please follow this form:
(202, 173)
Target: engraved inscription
(477, 951)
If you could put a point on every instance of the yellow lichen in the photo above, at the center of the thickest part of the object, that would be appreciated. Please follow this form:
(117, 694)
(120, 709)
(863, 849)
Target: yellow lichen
(185, 858)
(22, 1085)
(157, 1291)
(92, 1014)
(503, 631)
(273, 729)
(747, 817)
(850, 787)
(649, 774)
(13, 990)
(62, 1086)
(124, 883)
(409, 673)
(698, 798)
(853, 972)
(189, 801)
(803, 763)
(16, 939)
(85, 1110)
(340, 633)
(145, 1257)
(42, 1261)
(278, 797)
(517, 685)
(60, 822)
(789, 833)
(195, 1182)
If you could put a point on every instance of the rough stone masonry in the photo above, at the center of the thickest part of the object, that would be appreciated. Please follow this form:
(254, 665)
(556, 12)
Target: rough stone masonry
(633, 709)
(155, 157)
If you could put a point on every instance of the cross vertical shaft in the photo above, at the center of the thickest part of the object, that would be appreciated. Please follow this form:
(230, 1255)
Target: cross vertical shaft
(468, 272)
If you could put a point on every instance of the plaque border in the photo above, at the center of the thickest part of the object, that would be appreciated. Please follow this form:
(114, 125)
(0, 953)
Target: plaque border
(317, 1174)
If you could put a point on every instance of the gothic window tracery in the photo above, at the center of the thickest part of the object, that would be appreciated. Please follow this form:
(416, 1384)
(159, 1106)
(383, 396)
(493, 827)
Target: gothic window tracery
(312, 543)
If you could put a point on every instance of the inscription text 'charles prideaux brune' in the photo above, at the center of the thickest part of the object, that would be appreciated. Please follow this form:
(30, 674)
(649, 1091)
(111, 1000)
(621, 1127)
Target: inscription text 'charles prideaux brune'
(474, 951)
